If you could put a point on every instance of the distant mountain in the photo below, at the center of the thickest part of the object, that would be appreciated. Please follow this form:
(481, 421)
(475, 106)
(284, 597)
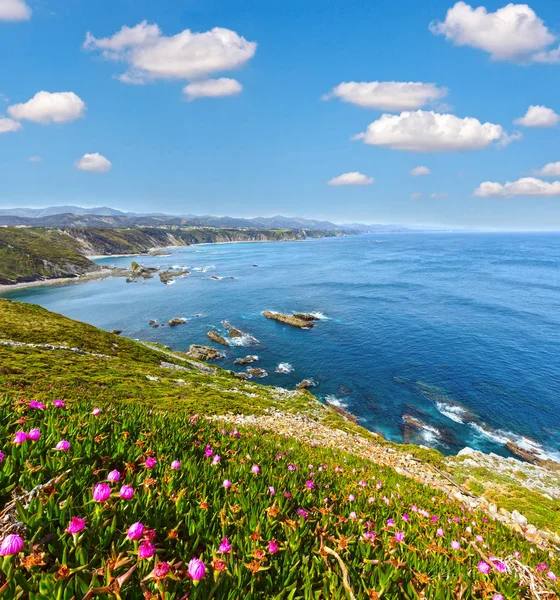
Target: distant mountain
(36, 213)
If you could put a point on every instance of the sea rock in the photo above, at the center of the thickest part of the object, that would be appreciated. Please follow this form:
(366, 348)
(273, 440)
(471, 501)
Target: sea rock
(531, 456)
(214, 277)
(256, 372)
(117, 331)
(216, 337)
(246, 360)
(242, 376)
(235, 333)
(201, 352)
(288, 320)
(167, 276)
(177, 321)
(138, 270)
(306, 317)
(341, 411)
(305, 384)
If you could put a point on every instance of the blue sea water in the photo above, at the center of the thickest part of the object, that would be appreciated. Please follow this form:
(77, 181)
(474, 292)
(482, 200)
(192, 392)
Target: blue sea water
(459, 332)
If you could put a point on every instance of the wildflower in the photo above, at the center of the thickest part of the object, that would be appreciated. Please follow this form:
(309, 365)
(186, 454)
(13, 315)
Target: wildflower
(36, 404)
(62, 445)
(225, 546)
(160, 570)
(113, 476)
(135, 531)
(542, 567)
(369, 536)
(309, 484)
(34, 435)
(497, 597)
(455, 545)
(219, 565)
(499, 565)
(300, 512)
(146, 550)
(101, 492)
(440, 532)
(2, 455)
(12, 544)
(390, 522)
(287, 494)
(255, 469)
(96, 411)
(216, 459)
(208, 452)
(352, 515)
(479, 539)
(406, 517)
(271, 491)
(371, 499)
(552, 576)
(227, 483)
(76, 524)
(196, 569)
(150, 462)
(272, 547)
(399, 536)
(175, 465)
(58, 403)
(484, 567)
(126, 492)
(20, 437)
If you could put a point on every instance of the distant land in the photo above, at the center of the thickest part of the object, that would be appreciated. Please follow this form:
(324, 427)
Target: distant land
(102, 216)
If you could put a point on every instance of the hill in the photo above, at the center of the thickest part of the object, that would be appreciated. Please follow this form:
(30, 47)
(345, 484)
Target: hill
(241, 490)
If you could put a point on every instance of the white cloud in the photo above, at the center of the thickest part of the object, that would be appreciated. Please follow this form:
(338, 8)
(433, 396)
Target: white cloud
(424, 131)
(551, 169)
(94, 163)
(538, 116)
(387, 95)
(47, 107)
(35, 159)
(14, 10)
(419, 171)
(416, 196)
(212, 88)
(7, 125)
(150, 55)
(434, 196)
(513, 32)
(526, 186)
(353, 178)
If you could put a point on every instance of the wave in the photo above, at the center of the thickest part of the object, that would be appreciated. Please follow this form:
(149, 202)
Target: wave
(455, 412)
(244, 340)
(284, 368)
(428, 433)
(204, 269)
(170, 282)
(319, 315)
(332, 399)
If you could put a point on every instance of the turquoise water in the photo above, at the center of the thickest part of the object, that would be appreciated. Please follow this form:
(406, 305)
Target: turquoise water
(459, 331)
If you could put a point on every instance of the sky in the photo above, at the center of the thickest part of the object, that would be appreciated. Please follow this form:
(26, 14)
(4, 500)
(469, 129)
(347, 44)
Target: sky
(422, 113)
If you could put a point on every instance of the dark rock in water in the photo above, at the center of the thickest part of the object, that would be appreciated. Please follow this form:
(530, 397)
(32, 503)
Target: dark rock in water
(288, 320)
(138, 270)
(177, 321)
(235, 333)
(306, 317)
(341, 411)
(305, 384)
(344, 391)
(531, 456)
(245, 361)
(256, 372)
(117, 331)
(214, 277)
(226, 324)
(130, 280)
(216, 337)
(255, 265)
(167, 276)
(242, 376)
(204, 352)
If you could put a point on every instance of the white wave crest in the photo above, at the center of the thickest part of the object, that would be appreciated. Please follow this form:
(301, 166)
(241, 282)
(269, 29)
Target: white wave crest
(452, 411)
(284, 367)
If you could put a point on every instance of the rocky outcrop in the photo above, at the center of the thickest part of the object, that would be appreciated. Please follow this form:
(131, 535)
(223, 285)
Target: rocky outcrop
(138, 270)
(305, 384)
(246, 360)
(306, 317)
(204, 352)
(219, 339)
(176, 321)
(256, 372)
(168, 275)
(531, 456)
(288, 320)
(235, 333)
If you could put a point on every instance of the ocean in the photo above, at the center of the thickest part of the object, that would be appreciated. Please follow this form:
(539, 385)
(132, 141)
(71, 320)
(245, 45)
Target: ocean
(459, 333)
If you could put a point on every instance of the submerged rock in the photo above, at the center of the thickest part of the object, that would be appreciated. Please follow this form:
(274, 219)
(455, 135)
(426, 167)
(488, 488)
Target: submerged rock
(242, 376)
(201, 352)
(177, 321)
(305, 384)
(289, 320)
(256, 372)
(219, 339)
(246, 360)
(306, 317)
(117, 331)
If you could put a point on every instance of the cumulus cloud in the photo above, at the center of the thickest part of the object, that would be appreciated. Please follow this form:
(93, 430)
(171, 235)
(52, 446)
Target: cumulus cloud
(150, 55)
(35, 159)
(539, 116)
(419, 171)
(7, 125)
(435, 196)
(424, 131)
(212, 88)
(14, 10)
(387, 95)
(551, 169)
(513, 32)
(94, 163)
(352, 178)
(47, 107)
(416, 196)
(526, 186)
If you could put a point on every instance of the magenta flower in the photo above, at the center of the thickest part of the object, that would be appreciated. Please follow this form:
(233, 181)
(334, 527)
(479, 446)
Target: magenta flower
(216, 459)
(34, 435)
(175, 465)
(58, 403)
(76, 525)
(150, 462)
(114, 476)
(146, 550)
(390, 522)
(96, 411)
(271, 490)
(101, 492)
(272, 547)
(552, 576)
(12, 544)
(208, 451)
(542, 567)
(126, 492)
(406, 517)
(161, 570)
(455, 545)
(440, 532)
(227, 483)
(301, 512)
(196, 570)
(20, 437)
(351, 498)
(225, 546)
(135, 531)
(255, 469)
(352, 515)
(36, 404)
(62, 445)
(2, 455)
(399, 536)
(497, 597)
(484, 567)
(499, 565)
(309, 484)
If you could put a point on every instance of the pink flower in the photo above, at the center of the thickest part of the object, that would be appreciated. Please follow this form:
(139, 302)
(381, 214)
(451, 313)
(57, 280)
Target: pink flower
(135, 531)
(146, 550)
(455, 545)
(36, 404)
(62, 445)
(225, 546)
(227, 483)
(271, 491)
(484, 567)
(352, 515)
(34, 435)
(272, 547)
(399, 536)
(196, 570)
(20, 437)
(96, 411)
(126, 492)
(309, 484)
(59, 403)
(208, 451)
(390, 522)
(479, 539)
(552, 576)
(499, 565)
(101, 492)
(150, 462)
(497, 597)
(216, 459)
(542, 566)
(161, 570)
(440, 532)
(113, 476)
(12, 544)
(175, 465)
(76, 524)
(2, 455)
(406, 517)
(255, 469)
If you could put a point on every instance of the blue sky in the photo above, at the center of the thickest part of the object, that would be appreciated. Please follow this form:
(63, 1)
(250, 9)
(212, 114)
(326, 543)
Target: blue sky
(273, 147)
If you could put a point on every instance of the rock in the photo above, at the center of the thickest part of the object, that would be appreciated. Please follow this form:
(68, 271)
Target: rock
(216, 337)
(204, 352)
(138, 270)
(151, 378)
(242, 376)
(167, 276)
(531, 456)
(467, 451)
(177, 321)
(117, 331)
(245, 361)
(493, 509)
(505, 513)
(306, 317)
(531, 529)
(517, 517)
(342, 412)
(226, 324)
(235, 333)
(255, 265)
(288, 320)
(214, 277)
(305, 384)
(256, 372)
(130, 280)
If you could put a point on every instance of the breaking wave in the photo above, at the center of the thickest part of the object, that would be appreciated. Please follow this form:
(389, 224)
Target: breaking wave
(285, 368)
